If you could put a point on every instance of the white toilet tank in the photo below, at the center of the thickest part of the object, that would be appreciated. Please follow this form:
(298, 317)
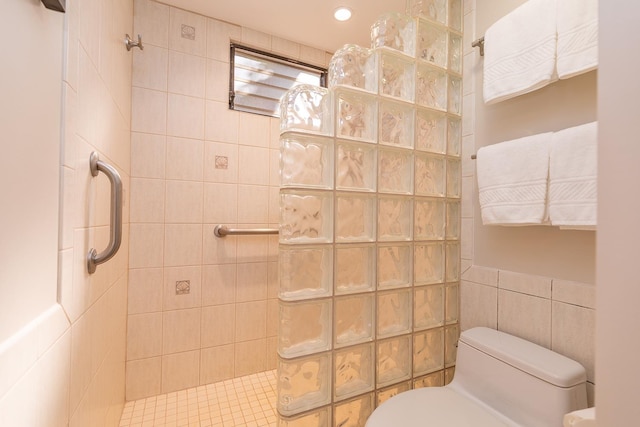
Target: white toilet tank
(526, 383)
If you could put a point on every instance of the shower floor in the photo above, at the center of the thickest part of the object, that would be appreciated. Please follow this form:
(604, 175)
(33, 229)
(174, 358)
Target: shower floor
(246, 401)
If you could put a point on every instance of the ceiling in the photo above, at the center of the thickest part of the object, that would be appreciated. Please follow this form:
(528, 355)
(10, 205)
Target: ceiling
(308, 22)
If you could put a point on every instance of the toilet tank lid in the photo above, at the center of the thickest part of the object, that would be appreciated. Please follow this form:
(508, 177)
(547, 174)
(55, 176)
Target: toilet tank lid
(543, 363)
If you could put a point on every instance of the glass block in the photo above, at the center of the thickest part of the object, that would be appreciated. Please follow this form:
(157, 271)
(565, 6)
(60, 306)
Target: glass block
(452, 303)
(428, 219)
(455, 53)
(305, 327)
(394, 218)
(307, 108)
(356, 166)
(394, 266)
(451, 335)
(355, 268)
(454, 136)
(353, 66)
(393, 364)
(428, 263)
(318, 418)
(430, 179)
(394, 313)
(431, 87)
(354, 317)
(396, 76)
(306, 216)
(428, 309)
(395, 171)
(305, 272)
(306, 161)
(430, 131)
(304, 384)
(432, 43)
(454, 178)
(353, 413)
(355, 217)
(449, 374)
(387, 393)
(354, 371)
(453, 262)
(428, 351)
(454, 97)
(395, 31)
(435, 379)
(453, 220)
(455, 14)
(396, 124)
(356, 115)
(436, 10)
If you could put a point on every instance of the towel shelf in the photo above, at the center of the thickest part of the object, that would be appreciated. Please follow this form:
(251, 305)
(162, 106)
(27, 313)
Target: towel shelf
(223, 230)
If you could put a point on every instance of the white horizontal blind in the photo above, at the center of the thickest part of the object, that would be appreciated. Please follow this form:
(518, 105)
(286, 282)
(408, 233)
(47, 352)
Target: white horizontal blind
(258, 80)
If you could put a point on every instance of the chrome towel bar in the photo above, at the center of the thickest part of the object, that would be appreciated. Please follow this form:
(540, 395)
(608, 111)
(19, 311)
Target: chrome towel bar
(222, 230)
(115, 230)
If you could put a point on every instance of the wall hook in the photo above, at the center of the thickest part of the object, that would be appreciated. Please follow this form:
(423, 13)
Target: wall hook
(130, 43)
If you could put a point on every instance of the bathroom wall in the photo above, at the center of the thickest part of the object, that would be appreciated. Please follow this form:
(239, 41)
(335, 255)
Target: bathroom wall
(196, 164)
(534, 282)
(70, 358)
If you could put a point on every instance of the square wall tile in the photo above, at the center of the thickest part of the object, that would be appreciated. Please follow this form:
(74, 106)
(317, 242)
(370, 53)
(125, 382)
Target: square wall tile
(478, 305)
(218, 250)
(183, 202)
(217, 79)
(254, 130)
(185, 116)
(253, 167)
(217, 363)
(575, 293)
(145, 290)
(149, 111)
(180, 330)
(251, 319)
(143, 378)
(534, 327)
(219, 35)
(146, 245)
(147, 200)
(186, 74)
(481, 275)
(219, 284)
(256, 38)
(221, 204)
(144, 335)
(182, 244)
(182, 287)
(147, 155)
(218, 325)
(180, 371)
(221, 124)
(252, 282)
(151, 19)
(573, 334)
(184, 159)
(252, 200)
(187, 32)
(525, 283)
(150, 67)
(220, 162)
(250, 357)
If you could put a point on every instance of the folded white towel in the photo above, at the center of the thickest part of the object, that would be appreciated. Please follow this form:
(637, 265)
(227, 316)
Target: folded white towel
(520, 51)
(580, 418)
(577, 37)
(573, 177)
(512, 181)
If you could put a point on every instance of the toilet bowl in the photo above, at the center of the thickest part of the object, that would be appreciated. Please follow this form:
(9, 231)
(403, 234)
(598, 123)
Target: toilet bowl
(500, 380)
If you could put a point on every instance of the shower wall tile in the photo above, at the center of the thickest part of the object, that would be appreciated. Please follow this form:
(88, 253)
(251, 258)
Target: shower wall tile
(253, 248)
(253, 165)
(186, 159)
(221, 124)
(180, 371)
(187, 32)
(216, 363)
(218, 325)
(254, 130)
(144, 377)
(147, 200)
(151, 19)
(185, 116)
(218, 251)
(535, 327)
(186, 74)
(148, 154)
(183, 244)
(285, 47)
(220, 204)
(250, 357)
(252, 201)
(150, 67)
(180, 330)
(217, 80)
(219, 284)
(220, 162)
(219, 34)
(313, 56)
(256, 38)
(172, 299)
(145, 331)
(145, 290)
(183, 202)
(251, 319)
(149, 111)
(146, 245)
(252, 282)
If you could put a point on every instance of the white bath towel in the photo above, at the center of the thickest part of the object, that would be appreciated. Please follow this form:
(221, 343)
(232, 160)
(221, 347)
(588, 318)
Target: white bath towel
(577, 37)
(512, 181)
(520, 51)
(573, 177)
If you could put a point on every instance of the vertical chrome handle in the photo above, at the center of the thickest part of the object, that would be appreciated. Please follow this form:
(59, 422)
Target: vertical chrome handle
(115, 237)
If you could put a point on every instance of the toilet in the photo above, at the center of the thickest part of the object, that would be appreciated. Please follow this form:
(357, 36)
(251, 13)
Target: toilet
(500, 380)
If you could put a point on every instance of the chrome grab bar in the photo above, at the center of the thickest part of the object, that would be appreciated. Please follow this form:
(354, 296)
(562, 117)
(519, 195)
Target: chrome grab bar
(115, 238)
(222, 230)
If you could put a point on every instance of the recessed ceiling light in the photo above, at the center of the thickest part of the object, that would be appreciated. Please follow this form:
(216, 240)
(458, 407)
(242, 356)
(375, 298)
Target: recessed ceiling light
(342, 14)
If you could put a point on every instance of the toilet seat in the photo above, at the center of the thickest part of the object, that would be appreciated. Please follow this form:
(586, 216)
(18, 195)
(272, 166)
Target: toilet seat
(432, 406)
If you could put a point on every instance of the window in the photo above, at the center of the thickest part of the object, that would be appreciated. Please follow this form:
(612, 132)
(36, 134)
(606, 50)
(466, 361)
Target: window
(258, 79)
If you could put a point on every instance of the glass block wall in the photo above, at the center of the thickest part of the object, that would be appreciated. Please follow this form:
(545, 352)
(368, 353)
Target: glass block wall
(370, 222)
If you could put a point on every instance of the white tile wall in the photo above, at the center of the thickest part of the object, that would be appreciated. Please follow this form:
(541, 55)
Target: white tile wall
(196, 164)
